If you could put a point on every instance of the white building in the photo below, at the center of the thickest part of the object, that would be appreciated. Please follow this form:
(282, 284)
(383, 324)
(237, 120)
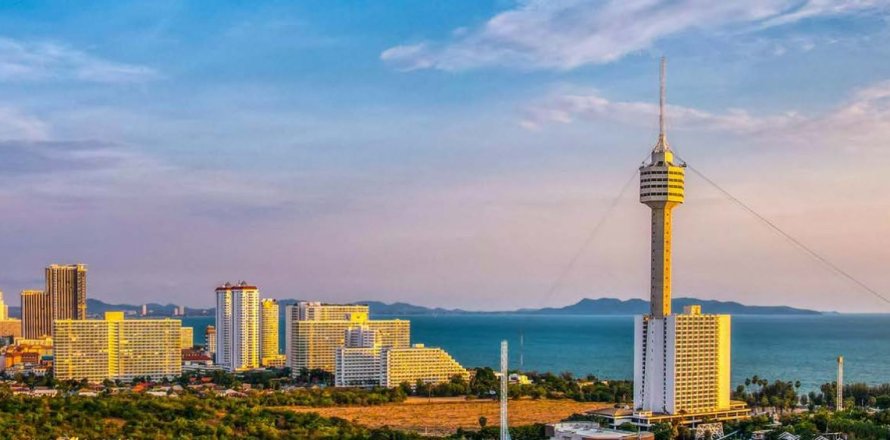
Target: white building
(363, 362)
(238, 326)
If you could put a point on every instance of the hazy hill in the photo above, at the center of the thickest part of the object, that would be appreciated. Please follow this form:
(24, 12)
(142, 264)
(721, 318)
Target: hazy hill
(587, 306)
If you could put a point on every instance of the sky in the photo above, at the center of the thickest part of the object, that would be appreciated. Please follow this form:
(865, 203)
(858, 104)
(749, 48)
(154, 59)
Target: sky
(475, 154)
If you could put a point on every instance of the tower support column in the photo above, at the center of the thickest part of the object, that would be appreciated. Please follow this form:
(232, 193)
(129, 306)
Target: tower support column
(660, 278)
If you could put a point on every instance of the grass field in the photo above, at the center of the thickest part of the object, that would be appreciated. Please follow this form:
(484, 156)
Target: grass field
(441, 416)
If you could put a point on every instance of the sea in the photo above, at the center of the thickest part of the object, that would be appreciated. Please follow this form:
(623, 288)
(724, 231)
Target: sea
(789, 348)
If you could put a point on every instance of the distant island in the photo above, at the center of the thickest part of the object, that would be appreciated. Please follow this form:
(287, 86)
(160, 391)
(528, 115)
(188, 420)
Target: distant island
(587, 306)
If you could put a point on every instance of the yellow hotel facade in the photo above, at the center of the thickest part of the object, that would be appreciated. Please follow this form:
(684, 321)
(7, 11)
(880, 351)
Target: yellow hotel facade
(311, 343)
(115, 348)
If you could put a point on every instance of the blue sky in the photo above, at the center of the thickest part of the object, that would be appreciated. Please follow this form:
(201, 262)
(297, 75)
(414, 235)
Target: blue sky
(453, 154)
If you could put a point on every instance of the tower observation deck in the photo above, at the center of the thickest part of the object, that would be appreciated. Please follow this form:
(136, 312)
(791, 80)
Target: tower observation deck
(662, 186)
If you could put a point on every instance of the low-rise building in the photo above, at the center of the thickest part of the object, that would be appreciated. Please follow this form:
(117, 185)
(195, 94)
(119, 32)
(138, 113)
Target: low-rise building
(364, 361)
(115, 348)
(591, 431)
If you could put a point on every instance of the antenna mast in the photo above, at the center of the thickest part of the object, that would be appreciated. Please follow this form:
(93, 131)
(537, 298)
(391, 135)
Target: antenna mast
(662, 132)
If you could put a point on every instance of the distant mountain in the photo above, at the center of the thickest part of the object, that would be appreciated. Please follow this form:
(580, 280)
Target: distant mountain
(601, 306)
(587, 306)
(613, 306)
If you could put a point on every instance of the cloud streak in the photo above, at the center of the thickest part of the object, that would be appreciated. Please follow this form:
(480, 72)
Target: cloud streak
(863, 121)
(40, 61)
(566, 34)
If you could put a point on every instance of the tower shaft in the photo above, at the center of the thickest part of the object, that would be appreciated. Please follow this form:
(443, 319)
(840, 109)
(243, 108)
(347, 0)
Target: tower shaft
(660, 274)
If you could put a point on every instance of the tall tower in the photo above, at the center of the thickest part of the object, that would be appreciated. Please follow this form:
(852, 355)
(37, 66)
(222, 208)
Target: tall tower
(681, 360)
(661, 189)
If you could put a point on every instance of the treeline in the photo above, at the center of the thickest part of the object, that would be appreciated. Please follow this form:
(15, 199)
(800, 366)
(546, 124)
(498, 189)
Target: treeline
(138, 416)
(760, 393)
(856, 423)
(485, 384)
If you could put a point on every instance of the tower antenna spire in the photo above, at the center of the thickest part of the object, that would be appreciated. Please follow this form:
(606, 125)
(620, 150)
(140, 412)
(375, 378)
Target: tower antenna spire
(662, 135)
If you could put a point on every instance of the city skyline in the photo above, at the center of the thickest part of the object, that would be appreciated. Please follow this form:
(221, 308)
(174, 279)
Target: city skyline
(452, 161)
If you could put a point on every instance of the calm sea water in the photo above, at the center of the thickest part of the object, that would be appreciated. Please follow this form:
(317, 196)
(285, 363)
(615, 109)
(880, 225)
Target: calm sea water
(776, 347)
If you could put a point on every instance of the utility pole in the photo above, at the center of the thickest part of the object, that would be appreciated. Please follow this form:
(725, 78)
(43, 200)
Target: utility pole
(839, 405)
(505, 433)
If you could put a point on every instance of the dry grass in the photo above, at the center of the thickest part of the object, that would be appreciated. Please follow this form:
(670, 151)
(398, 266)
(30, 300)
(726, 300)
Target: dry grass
(442, 416)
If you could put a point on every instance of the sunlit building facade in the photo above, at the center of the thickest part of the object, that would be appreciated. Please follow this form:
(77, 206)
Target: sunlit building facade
(37, 319)
(270, 353)
(238, 326)
(311, 343)
(364, 362)
(66, 285)
(115, 348)
(186, 337)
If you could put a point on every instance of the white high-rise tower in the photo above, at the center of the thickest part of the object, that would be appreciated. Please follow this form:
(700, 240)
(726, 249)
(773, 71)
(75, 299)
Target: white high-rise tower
(238, 326)
(681, 361)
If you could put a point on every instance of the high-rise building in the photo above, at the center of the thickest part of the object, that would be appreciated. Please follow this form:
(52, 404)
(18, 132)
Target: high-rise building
(4, 309)
(66, 286)
(362, 361)
(9, 327)
(115, 348)
(187, 337)
(210, 340)
(270, 352)
(37, 319)
(237, 326)
(144, 309)
(311, 343)
(681, 361)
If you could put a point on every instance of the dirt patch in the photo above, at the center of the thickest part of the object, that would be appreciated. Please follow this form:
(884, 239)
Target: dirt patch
(442, 416)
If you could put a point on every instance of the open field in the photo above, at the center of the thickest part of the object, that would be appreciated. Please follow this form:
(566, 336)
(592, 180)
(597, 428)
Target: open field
(440, 416)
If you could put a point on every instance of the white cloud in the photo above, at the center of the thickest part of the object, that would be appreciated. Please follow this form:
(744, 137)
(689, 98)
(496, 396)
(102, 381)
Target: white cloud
(565, 34)
(30, 61)
(566, 108)
(862, 122)
(16, 125)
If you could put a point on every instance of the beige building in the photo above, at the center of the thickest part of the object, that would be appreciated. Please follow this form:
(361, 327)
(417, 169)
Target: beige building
(311, 343)
(210, 340)
(37, 320)
(418, 363)
(317, 311)
(66, 286)
(115, 348)
(270, 352)
(9, 327)
(187, 337)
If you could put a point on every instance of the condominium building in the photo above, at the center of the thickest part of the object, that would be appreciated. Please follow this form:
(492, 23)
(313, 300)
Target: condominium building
(362, 361)
(186, 337)
(237, 326)
(115, 348)
(270, 353)
(4, 309)
(37, 320)
(311, 343)
(9, 327)
(66, 286)
(317, 311)
(210, 340)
